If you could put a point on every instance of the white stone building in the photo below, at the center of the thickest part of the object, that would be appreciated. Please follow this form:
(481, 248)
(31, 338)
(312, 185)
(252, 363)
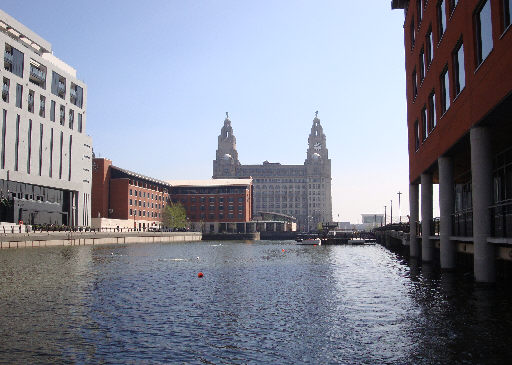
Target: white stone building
(301, 191)
(45, 154)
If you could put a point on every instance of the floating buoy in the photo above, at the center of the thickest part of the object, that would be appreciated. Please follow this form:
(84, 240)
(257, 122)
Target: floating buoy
(282, 250)
(200, 275)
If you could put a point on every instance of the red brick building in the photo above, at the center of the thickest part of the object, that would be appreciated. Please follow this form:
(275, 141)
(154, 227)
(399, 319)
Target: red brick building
(217, 204)
(125, 195)
(458, 58)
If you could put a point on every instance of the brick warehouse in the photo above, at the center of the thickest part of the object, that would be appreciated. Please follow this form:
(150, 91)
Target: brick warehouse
(133, 199)
(458, 57)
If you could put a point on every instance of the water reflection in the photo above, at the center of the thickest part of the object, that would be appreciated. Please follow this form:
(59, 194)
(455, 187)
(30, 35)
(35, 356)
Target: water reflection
(263, 302)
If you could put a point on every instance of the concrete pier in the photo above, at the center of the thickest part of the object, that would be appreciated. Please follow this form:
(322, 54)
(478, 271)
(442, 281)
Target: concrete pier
(427, 247)
(481, 168)
(446, 206)
(414, 218)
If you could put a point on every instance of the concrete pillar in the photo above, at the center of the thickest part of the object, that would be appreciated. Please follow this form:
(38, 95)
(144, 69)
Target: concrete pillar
(414, 249)
(481, 172)
(446, 207)
(427, 247)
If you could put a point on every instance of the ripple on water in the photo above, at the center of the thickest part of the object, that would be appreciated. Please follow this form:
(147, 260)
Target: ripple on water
(256, 303)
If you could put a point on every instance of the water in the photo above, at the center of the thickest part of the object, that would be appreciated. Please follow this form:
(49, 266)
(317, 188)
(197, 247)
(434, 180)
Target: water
(255, 304)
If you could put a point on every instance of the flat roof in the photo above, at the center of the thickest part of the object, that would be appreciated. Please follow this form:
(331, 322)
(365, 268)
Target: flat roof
(24, 33)
(210, 182)
(140, 176)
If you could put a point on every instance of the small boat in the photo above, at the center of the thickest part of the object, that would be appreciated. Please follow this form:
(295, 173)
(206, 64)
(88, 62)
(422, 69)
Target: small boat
(356, 241)
(310, 241)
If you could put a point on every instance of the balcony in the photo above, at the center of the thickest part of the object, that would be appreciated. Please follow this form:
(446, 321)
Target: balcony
(501, 219)
(8, 57)
(462, 223)
(37, 73)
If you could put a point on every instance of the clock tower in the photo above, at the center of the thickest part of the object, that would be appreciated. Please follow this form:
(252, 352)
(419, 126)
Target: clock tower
(226, 159)
(318, 174)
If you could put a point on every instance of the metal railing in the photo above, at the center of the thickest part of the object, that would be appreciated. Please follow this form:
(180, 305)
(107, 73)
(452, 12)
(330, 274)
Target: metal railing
(462, 223)
(501, 219)
(434, 226)
(37, 73)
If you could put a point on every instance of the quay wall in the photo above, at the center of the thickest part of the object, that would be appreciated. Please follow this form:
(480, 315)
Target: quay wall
(93, 238)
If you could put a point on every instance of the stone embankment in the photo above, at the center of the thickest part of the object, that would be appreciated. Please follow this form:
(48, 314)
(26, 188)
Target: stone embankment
(42, 239)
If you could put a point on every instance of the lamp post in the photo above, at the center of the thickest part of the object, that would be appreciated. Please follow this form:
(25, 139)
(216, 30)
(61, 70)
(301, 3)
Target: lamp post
(399, 210)
(385, 215)
(391, 218)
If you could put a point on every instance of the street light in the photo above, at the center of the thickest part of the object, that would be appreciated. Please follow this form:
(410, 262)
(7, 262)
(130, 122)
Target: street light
(399, 210)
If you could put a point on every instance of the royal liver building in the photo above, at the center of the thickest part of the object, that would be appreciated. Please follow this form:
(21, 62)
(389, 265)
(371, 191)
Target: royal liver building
(302, 191)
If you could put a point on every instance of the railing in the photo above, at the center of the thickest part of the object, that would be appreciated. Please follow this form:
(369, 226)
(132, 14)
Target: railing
(37, 73)
(434, 226)
(462, 223)
(8, 57)
(501, 219)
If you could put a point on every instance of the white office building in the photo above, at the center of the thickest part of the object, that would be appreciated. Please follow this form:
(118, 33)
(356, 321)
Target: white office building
(45, 154)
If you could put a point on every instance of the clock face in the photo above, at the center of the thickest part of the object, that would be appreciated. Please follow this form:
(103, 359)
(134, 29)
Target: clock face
(317, 146)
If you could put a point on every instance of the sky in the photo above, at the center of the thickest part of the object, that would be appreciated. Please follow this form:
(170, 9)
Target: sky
(160, 76)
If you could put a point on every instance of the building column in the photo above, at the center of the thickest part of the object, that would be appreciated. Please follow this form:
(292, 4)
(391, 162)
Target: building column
(427, 247)
(482, 189)
(446, 207)
(414, 249)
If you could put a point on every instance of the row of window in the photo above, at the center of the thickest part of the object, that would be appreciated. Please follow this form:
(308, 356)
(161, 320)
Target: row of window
(42, 105)
(143, 204)
(41, 154)
(143, 213)
(212, 216)
(211, 199)
(142, 194)
(143, 184)
(213, 207)
(14, 61)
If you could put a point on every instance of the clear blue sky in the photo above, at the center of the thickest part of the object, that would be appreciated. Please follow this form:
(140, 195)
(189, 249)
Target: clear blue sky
(161, 75)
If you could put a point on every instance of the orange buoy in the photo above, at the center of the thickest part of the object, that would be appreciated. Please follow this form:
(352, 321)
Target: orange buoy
(200, 275)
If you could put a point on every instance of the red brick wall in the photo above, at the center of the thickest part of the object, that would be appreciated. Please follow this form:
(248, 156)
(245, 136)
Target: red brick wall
(119, 198)
(100, 187)
(486, 85)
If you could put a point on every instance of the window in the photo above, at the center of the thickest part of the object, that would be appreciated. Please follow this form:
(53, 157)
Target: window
(422, 65)
(419, 9)
(42, 106)
(17, 143)
(445, 90)
(413, 33)
(432, 111)
(5, 90)
(453, 4)
(69, 157)
(52, 111)
(31, 101)
(414, 85)
(71, 118)
(13, 60)
(4, 126)
(76, 94)
(441, 18)
(80, 122)
(50, 171)
(41, 130)
(60, 154)
(29, 140)
(62, 114)
(58, 85)
(424, 123)
(416, 135)
(429, 52)
(37, 74)
(19, 95)
(483, 31)
(506, 13)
